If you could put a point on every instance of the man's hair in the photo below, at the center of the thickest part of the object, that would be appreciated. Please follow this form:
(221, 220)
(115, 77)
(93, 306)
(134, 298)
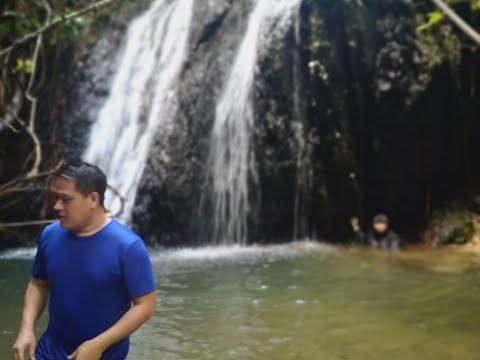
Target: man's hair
(88, 178)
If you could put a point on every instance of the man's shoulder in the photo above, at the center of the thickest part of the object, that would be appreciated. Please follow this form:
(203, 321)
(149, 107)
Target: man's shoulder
(52, 230)
(53, 227)
(122, 233)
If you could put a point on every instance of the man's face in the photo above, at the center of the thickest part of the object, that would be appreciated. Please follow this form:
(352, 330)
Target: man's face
(72, 207)
(380, 227)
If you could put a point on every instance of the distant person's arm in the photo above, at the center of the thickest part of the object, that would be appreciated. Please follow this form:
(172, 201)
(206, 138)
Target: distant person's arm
(359, 235)
(36, 297)
(143, 308)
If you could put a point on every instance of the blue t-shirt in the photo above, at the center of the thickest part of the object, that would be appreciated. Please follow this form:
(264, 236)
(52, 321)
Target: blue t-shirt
(93, 280)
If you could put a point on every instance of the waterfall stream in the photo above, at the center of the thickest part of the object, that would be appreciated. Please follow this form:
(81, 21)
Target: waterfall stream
(142, 97)
(232, 160)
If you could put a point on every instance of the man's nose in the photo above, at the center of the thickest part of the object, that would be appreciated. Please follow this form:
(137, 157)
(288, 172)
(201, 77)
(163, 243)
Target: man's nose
(58, 205)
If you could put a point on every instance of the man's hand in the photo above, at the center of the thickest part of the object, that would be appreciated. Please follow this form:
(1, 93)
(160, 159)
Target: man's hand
(25, 342)
(35, 299)
(89, 350)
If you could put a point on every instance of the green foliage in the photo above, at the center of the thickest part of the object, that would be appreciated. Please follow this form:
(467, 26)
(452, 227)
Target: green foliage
(454, 225)
(317, 68)
(3, 27)
(25, 66)
(318, 41)
(318, 47)
(433, 18)
(441, 46)
(68, 30)
(21, 23)
(475, 5)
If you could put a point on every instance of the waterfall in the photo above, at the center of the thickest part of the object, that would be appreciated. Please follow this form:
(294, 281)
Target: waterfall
(231, 160)
(142, 98)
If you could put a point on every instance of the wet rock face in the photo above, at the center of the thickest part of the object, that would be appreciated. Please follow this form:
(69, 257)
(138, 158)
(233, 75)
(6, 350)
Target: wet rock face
(315, 99)
(341, 122)
(401, 68)
(170, 190)
(274, 139)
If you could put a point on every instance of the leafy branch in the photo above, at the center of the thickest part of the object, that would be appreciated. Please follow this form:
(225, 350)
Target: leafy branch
(52, 24)
(32, 73)
(457, 20)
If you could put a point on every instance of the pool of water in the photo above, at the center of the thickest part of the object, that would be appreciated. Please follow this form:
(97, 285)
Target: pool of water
(298, 301)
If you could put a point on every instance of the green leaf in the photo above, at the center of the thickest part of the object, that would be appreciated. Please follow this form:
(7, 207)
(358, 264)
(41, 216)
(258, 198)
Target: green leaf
(433, 18)
(56, 17)
(24, 27)
(28, 67)
(25, 66)
(20, 66)
(68, 11)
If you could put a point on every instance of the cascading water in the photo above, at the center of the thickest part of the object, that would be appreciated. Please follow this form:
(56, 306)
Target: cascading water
(231, 159)
(142, 98)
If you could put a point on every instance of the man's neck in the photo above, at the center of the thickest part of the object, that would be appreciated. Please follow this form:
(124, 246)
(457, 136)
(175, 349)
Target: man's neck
(97, 224)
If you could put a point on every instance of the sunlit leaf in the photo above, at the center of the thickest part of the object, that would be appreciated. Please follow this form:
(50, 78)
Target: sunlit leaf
(25, 66)
(19, 66)
(28, 67)
(433, 19)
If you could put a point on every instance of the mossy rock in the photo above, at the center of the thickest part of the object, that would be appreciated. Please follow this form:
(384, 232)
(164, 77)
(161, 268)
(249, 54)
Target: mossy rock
(454, 225)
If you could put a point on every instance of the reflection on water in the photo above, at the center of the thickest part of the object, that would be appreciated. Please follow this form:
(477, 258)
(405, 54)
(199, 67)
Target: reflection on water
(297, 301)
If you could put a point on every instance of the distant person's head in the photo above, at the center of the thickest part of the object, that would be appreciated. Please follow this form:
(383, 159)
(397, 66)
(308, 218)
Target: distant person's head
(80, 193)
(380, 223)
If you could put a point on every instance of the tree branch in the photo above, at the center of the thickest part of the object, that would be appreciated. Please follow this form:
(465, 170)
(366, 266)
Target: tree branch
(52, 24)
(9, 186)
(11, 112)
(120, 197)
(25, 223)
(9, 204)
(457, 20)
(33, 111)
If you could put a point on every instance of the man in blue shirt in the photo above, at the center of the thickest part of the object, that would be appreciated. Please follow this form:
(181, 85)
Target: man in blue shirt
(96, 271)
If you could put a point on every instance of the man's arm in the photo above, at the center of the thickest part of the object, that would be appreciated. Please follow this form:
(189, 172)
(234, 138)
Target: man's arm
(34, 302)
(143, 308)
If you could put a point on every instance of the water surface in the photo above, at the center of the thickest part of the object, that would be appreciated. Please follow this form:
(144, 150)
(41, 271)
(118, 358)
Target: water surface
(298, 301)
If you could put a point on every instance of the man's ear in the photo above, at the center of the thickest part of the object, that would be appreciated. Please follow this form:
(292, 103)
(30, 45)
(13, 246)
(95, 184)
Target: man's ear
(94, 200)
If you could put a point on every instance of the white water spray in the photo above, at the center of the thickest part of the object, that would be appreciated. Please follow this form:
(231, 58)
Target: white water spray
(142, 98)
(232, 161)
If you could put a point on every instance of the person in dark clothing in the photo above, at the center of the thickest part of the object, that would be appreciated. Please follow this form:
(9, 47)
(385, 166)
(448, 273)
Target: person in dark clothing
(381, 236)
